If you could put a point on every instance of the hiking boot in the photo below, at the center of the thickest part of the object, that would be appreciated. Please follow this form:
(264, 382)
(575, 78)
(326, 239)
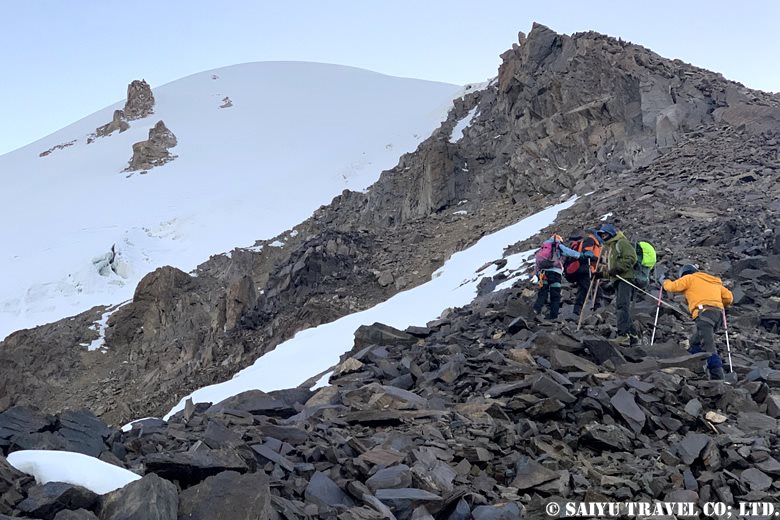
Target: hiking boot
(626, 340)
(694, 349)
(623, 341)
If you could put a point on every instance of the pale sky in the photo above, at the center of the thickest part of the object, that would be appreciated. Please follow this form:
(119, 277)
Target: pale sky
(65, 59)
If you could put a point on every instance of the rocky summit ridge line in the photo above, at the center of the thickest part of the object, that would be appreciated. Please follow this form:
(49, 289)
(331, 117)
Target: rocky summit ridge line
(485, 406)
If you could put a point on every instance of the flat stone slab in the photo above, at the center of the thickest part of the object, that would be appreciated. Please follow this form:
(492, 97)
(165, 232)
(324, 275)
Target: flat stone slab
(530, 473)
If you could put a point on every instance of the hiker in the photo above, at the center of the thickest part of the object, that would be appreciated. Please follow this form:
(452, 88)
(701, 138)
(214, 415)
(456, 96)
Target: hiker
(549, 270)
(579, 272)
(707, 298)
(621, 259)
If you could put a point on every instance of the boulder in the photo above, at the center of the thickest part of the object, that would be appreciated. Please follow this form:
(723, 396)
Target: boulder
(255, 402)
(22, 419)
(755, 421)
(755, 479)
(560, 359)
(83, 432)
(399, 476)
(380, 334)
(530, 474)
(607, 436)
(322, 491)
(227, 496)
(38, 441)
(46, 500)
(150, 498)
(192, 467)
(603, 351)
(623, 401)
(266, 454)
(690, 447)
(546, 386)
(217, 435)
(383, 397)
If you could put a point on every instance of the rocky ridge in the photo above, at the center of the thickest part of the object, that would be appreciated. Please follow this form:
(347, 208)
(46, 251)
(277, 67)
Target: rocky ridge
(567, 114)
(483, 412)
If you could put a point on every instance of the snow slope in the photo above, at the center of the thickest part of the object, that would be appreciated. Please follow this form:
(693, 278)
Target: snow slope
(296, 136)
(453, 285)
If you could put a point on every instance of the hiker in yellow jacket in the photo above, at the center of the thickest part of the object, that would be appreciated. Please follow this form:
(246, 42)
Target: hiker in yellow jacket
(706, 297)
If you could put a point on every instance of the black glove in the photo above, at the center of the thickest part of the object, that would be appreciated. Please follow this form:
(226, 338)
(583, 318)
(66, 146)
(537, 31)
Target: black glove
(660, 273)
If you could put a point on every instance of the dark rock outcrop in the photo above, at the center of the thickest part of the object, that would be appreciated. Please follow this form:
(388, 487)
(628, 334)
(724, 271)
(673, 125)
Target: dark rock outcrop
(54, 148)
(154, 151)
(118, 123)
(140, 100)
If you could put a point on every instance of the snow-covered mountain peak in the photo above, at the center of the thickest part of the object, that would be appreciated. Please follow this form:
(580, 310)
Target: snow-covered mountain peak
(259, 146)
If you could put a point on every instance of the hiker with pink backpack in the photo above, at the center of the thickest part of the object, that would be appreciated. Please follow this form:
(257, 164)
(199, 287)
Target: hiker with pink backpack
(549, 270)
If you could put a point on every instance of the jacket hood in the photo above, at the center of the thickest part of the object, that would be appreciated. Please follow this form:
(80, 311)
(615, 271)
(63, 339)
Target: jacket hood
(706, 277)
(617, 237)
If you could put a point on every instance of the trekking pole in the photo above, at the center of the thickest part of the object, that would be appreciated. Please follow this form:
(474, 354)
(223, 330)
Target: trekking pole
(728, 344)
(657, 311)
(595, 295)
(587, 294)
(660, 302)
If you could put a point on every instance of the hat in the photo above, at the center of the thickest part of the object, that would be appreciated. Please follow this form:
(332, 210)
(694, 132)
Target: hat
(687, 269)
(595, 233)
(608, 229)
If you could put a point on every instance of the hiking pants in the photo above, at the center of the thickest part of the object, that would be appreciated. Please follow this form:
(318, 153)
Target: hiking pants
(703, 338)
(582, 283)
(623, 303)
(551, 288)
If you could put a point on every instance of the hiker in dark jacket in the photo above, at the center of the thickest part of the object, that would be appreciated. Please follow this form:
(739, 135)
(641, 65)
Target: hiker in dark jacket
(549, 270)
(706, 297)
(621, 257)
(580, 272)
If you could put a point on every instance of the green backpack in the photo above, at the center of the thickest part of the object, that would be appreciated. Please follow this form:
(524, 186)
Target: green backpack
(645, 262)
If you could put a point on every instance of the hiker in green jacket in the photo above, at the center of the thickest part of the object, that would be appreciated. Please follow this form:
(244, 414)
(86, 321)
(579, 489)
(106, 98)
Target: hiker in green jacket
(621, 257)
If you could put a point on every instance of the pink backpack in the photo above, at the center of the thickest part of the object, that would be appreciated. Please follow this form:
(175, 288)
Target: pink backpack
(545, 257)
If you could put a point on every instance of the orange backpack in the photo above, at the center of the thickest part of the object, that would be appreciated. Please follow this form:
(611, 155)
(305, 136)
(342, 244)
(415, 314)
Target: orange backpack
(575, 267)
